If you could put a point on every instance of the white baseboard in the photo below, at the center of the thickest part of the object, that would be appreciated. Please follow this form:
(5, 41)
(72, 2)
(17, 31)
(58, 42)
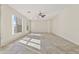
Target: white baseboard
(66, 38)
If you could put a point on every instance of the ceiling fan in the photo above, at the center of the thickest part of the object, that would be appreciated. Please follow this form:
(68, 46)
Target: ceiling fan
(42, 15)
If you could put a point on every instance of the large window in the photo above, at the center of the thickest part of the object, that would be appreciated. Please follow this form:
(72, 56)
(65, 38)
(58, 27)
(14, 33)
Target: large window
(16, 24)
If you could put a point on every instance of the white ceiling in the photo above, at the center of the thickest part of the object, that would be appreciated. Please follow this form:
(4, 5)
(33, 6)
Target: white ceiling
(48, 9)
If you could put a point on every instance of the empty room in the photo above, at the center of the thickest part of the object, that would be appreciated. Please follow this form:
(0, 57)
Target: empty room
(39, 29)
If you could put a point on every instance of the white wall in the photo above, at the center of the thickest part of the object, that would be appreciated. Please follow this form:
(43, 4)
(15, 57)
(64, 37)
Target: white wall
(40, 26)
(66, 24)
(6, 25)
(0, 19)
(0, 24)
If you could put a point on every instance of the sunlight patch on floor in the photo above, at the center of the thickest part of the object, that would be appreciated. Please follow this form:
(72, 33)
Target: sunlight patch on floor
(34, 45)
(35, 40)
(23, 41)
(31, 42)
(35, 34)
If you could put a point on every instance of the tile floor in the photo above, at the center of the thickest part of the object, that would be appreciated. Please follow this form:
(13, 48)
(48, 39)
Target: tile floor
(40, 43)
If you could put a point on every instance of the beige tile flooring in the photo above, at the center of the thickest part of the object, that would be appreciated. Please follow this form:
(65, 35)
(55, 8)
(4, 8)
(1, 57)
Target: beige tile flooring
(41, 43)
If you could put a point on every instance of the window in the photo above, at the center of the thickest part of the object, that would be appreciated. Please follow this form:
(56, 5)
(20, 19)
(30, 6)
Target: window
(16, 24)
